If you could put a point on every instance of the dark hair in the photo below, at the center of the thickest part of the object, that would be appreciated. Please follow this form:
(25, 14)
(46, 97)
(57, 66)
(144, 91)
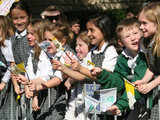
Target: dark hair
(22, 5)
(103, 22)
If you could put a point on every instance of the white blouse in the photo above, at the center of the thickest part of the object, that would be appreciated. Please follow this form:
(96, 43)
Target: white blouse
(44, 68)
(110, 56)
(7, 52)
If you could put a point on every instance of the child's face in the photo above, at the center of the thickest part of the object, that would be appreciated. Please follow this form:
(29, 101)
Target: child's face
(20, 19)
(31, 36)
(48, 37)
(76, 28)
(148, 28)
(94, 33)
(81, 48)
(130, 38)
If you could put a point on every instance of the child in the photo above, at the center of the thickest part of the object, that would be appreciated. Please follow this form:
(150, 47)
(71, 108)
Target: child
(103, 54)
(55, 104)
(131, 62)
(5, 43)
(20, 15)
(75, 110)
(37, 60)
(6, 56)
(150, 25)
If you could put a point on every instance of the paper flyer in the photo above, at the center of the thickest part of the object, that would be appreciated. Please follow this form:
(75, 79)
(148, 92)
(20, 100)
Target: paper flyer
(5, 6)
(90, 104)
(107, 98)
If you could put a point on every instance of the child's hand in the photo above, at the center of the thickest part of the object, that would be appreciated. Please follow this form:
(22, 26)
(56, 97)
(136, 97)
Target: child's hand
(2, 85)
(22, 79)
(67, 84)
(57, 65)
(68, 57)
(96, 71)
(32, 86)
(35, 106)
(15, 77)
(45, 84)
(144, 88)
(138, 82)
(114, 110)
(28, 93)
(75, 65)
(17, 90)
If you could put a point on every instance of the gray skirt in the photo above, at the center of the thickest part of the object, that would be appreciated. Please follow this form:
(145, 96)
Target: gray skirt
(52, 104)
(8, 103)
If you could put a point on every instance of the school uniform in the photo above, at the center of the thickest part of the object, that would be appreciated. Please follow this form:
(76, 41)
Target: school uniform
(53, 100)
(125, 66)
(105, 58)
(7, 108)
(75, 109)
(153, 65)
(20, 47)
(21, 51)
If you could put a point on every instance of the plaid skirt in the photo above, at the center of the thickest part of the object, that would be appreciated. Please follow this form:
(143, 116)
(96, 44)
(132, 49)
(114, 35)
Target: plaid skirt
(8, 103)
(52, 104)
(155, 111)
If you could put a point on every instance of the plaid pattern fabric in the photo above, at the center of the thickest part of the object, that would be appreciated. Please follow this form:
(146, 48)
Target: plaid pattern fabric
(52, 105)
(20, 49)
(155, 112)
(8, 110)
(155, 109)
(97, 59)
(52, 102)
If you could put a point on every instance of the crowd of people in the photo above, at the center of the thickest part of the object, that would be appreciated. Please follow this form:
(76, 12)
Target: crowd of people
(59, 58)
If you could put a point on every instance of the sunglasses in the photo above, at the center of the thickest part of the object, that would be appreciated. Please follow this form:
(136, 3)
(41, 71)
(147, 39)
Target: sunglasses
(51, 18)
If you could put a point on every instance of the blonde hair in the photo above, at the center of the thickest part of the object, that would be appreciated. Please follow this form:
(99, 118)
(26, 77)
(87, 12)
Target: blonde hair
(6, 29)
(84, 37)
(126, 23)
(38, 26)
(60, 31)
(152, 13)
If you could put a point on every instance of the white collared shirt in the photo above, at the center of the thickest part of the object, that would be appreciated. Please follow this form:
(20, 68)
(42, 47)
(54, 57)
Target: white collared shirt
(22, 34)
(131, 60)
(110, 56)
(7, 52)
(44, 68)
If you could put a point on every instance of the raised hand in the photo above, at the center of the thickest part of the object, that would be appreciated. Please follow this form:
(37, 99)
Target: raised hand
(22, 79)
(57, 65)
(96, 71)
(75, 65)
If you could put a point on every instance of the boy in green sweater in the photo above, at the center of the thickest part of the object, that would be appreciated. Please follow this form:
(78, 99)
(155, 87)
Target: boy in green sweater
(131, 62)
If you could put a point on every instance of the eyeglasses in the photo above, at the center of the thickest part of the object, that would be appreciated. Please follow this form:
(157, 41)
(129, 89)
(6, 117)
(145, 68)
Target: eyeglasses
(51, 18)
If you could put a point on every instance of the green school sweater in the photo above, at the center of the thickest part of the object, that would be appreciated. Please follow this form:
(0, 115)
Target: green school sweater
(115, 79)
